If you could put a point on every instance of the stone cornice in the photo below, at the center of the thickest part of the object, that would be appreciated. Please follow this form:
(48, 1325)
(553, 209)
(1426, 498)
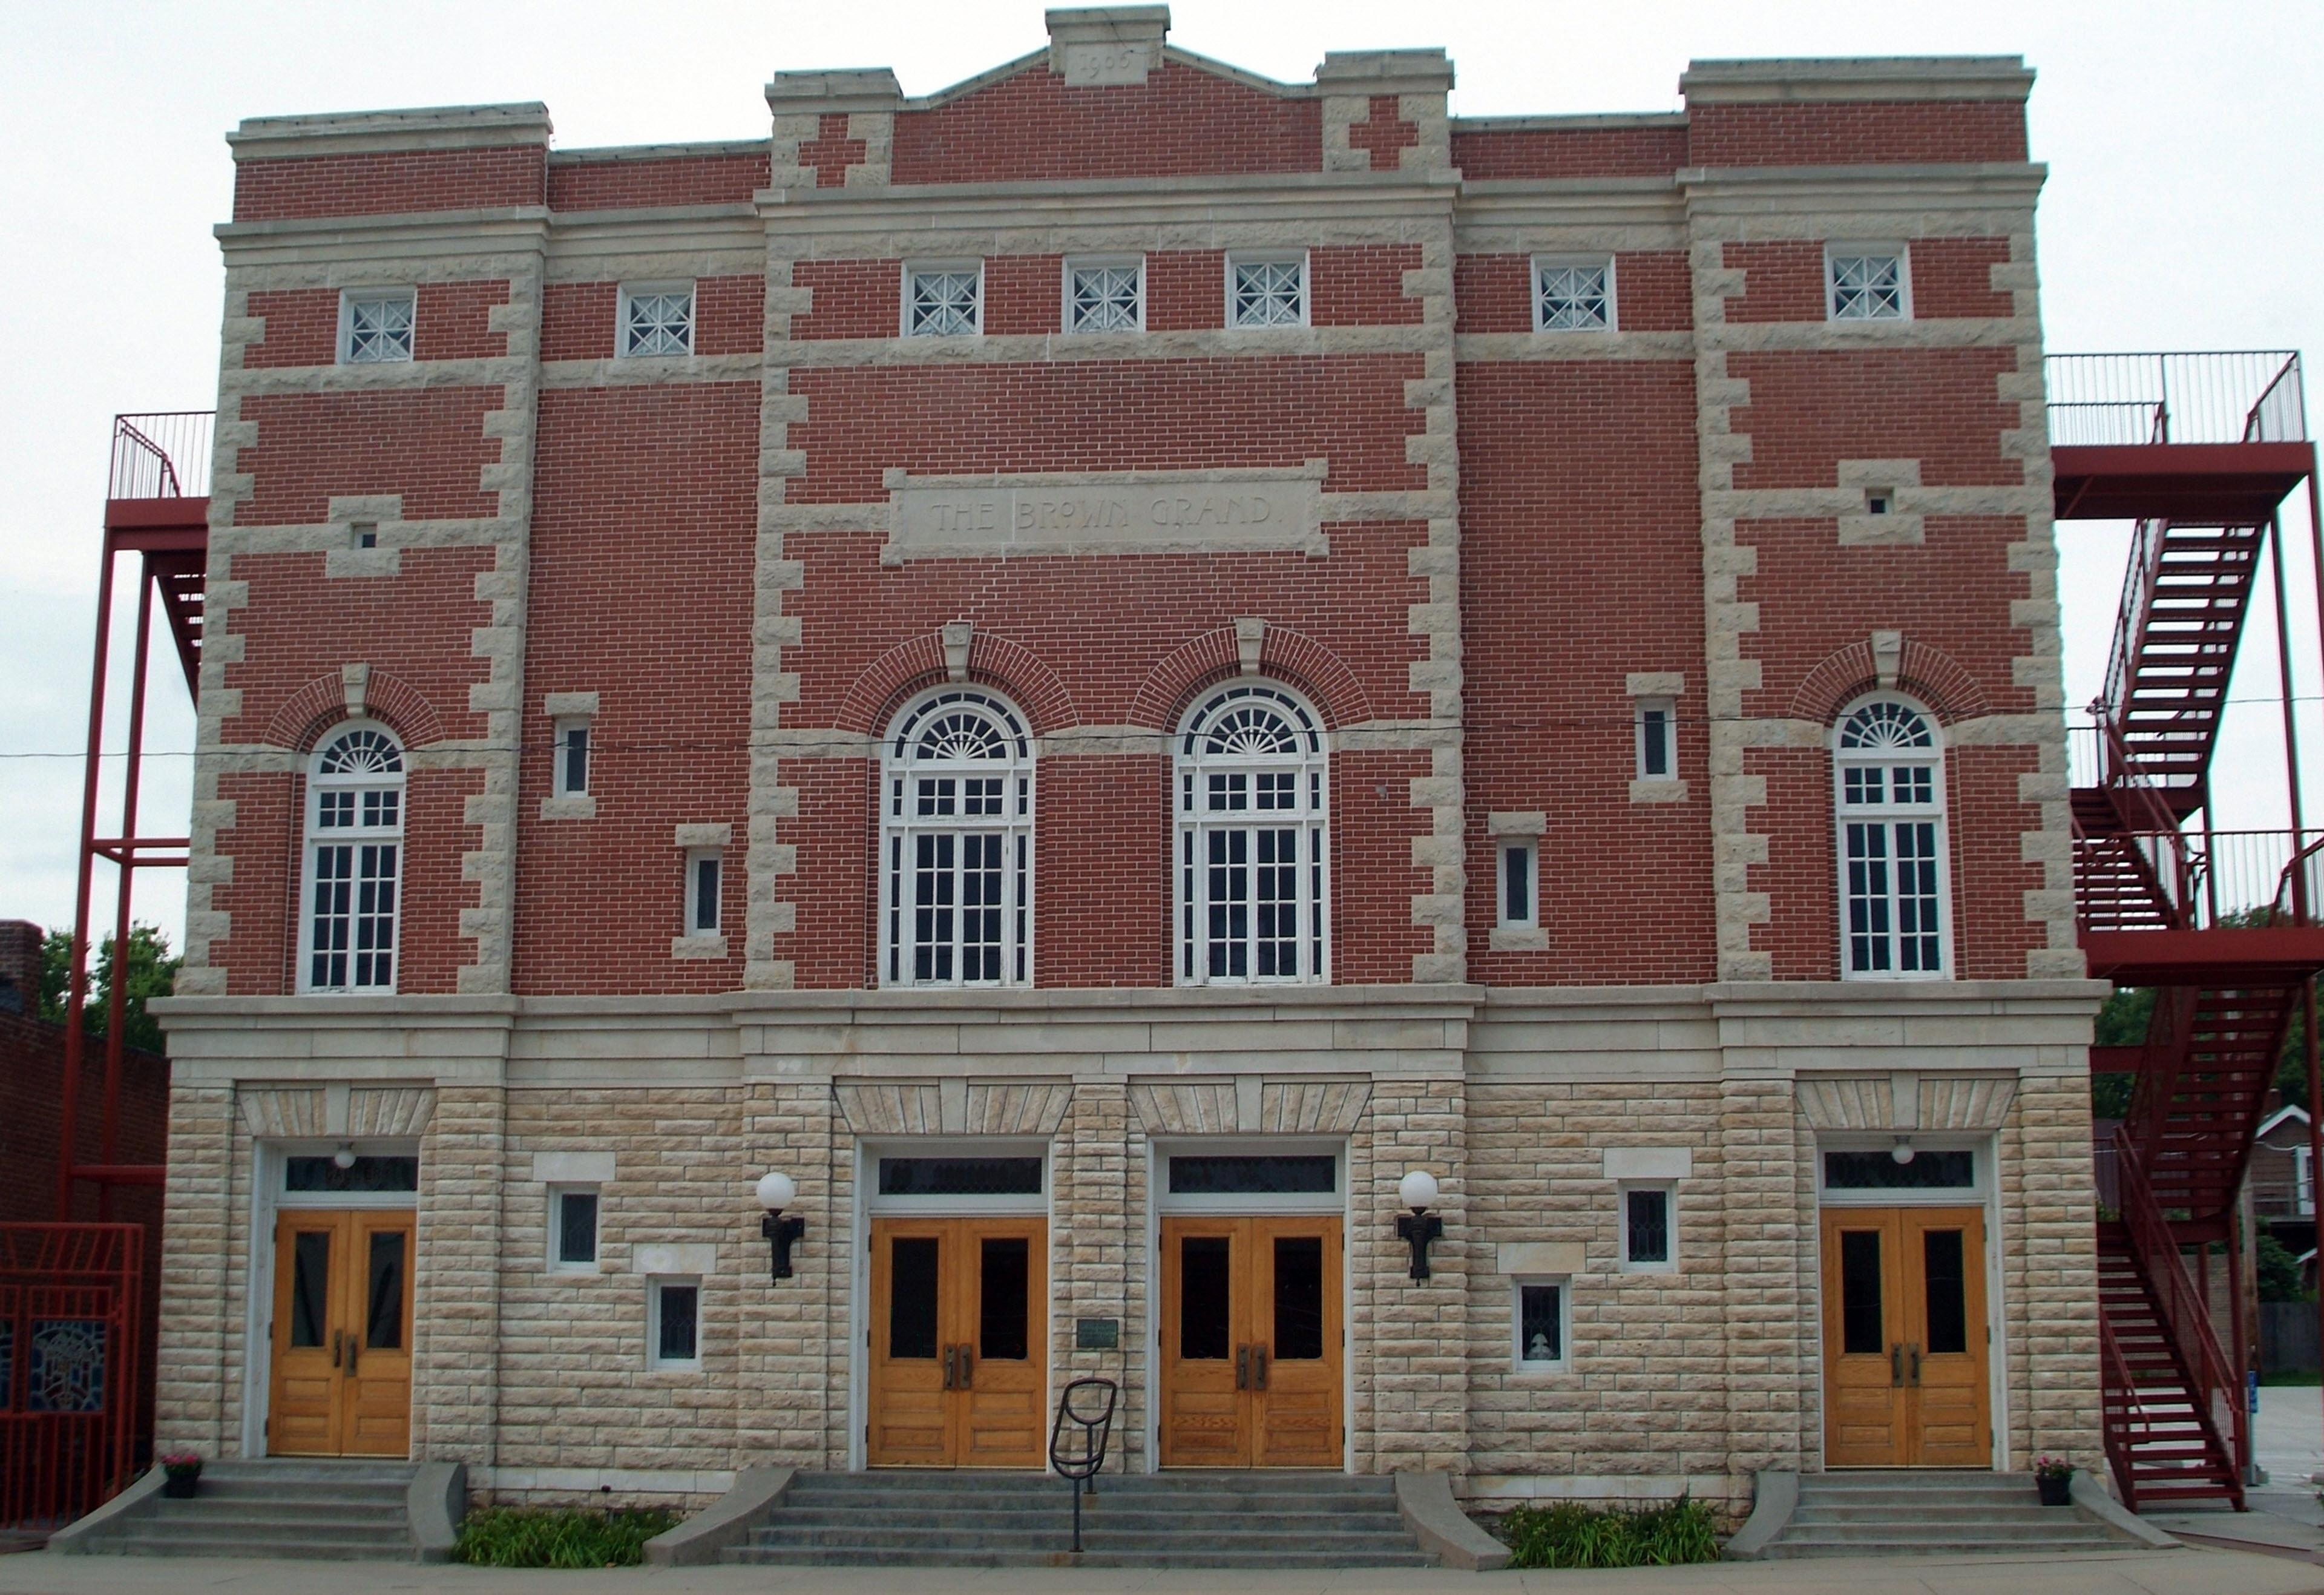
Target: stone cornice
(365, 133)
(1875, 78)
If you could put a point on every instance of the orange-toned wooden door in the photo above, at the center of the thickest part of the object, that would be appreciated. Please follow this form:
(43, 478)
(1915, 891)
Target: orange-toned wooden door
(342, 1336)
(1253, 1344)
(957, 1343)
(1905, 1332)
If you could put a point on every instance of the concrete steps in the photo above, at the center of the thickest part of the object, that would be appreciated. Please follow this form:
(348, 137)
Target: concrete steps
(322, 1511)
(1213, 1520)
(1915, 1511)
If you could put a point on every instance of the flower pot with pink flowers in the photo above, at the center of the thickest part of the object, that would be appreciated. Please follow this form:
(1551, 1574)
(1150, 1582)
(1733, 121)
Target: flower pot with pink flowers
(181, 1474)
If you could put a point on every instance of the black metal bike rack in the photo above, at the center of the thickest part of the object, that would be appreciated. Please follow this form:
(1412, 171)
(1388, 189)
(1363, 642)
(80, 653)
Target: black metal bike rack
(1093, 1421)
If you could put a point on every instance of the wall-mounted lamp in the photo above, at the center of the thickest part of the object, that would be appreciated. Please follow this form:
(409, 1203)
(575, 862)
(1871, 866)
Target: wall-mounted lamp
(344, 1158)
(1903, 1150)
(1416, 1229)
(777, 1191)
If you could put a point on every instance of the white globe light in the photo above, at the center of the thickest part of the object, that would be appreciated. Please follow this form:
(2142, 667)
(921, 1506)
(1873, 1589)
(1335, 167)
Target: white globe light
(1901, 1151)
(344, 1158)
(1417, 1189)
(777, 1191)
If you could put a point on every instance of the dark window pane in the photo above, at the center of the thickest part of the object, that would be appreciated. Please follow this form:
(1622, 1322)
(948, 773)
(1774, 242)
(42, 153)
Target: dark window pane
(368, 1174)
(1654, 725)
(1947, 1293)
(960, 1176)
(310, 1278)
(576, 1227)
(1003, 1292)
(577, 759)
(384, 1315)
(705, 894)
(1254, 1177)
(680, 1305)
(1204, 1267)
(1646, 1218)
(1880, 1171)
(912, 1297)
(1862, 1330)
(1540, 1336)
(1517, 884)
(1298, 1299)
(7, 1363)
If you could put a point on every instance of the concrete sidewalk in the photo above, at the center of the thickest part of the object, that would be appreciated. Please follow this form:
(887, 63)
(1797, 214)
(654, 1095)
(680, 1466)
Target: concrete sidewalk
(2144, 1572)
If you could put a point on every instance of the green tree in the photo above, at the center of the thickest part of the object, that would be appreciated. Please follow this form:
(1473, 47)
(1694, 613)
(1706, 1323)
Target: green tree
(2279, 1272)
(151, 971)
(2122, 1022)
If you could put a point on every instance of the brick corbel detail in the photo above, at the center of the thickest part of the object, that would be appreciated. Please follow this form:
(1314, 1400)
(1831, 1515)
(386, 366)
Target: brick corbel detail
(322, 703)
(1292, 656)
(1009, 666)
(1923, 671)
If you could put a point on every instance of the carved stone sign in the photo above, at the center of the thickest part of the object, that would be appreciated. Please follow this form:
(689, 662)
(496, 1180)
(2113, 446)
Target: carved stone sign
(1125, 513)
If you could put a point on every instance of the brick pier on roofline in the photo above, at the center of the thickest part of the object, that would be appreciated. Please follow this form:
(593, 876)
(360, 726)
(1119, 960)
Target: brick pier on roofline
(1222, 641)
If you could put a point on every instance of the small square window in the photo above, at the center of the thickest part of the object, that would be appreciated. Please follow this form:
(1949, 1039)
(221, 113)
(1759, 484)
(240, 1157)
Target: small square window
(573, 1228)
(375, 327)
(1647, 1243)
(1540, 1326)
(1519, 888)
(674, 1323)
(1658, 720)
(702, 867)
(1879, 501)
(1105, 296)
(943, 302)
(572, 757)
(1267, 292)
(1868, 285)
(1573, 296)
(657, 321)
(363, 534)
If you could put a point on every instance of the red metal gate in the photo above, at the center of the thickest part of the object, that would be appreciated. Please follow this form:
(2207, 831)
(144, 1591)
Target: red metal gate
(69, 1368)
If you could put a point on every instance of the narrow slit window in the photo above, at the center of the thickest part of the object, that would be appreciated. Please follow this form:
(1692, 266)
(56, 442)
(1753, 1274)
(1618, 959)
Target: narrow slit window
(572, 759)
(674, 1330)
(704, 870)
(1657, 725)
(1519, 889)
(573, 1223)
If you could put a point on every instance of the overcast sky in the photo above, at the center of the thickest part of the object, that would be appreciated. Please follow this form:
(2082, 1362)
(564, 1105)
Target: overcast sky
(2183, 142)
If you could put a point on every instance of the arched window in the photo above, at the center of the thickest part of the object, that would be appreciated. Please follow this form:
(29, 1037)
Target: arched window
(354, 857)
(956, 889)
(1252, 851)
(1890, 806)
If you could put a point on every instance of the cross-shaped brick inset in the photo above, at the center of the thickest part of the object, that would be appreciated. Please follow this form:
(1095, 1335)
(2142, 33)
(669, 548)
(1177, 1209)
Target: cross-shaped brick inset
(831, 152)
(1384, 134)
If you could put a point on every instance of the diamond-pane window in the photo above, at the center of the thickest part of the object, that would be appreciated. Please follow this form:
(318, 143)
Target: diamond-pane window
(1267, 293)
(379, 329)
(943, 304)
(1867, 288)
(658, 322)
(1573, 299)
(1103, 298)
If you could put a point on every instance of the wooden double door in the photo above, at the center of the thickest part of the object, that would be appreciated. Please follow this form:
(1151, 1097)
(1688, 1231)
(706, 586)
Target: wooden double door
(1252, 1343)
(958, 1343)
(342, 1336)
(1905, 1337)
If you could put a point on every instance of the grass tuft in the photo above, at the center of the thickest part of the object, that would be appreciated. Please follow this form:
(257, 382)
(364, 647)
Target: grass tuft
(559, 1536)
(1569, 1535)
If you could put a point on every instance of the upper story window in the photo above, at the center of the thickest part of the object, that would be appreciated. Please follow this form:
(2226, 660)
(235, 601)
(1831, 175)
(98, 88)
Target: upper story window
(1891, 808)
(1866, 284)
(1657, 725)
(570, 772)
(657, 319)
(1252, 849)
(1267, 291)
(354, 833)
(375, 326)
(956, 884)
(1105, 296)
(943, 302)
(1571, 296)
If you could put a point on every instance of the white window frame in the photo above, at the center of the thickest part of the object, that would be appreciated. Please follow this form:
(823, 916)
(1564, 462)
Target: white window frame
(560, 783)
(1668, 709)
(1834, 253)
(1196, 821)
(1074, 265)
(1622, 1193)
(623, 348)
(1890, 816)
(1530, 848)
(1543, 265)
(696, 857)
(2304, 1181)
(655, 1283)
(915, 269)
(349, 298)
(1236, 259)
(356, 837)
(557, 1262)
(1519, 1363)
(905, 763)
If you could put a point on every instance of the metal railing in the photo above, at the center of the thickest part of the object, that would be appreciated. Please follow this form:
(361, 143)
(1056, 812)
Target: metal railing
(2223, 880)
(69, 1393)
(2122, 1413)
(2230, 396)
(165, 454)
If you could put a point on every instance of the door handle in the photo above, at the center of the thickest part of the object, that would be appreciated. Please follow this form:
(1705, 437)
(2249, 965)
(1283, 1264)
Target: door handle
(967, 1366)
(948, 1363)
(1242, 1367)
(1915, 1351)
(354, 1341)
(338, 1346)
(1258, 1368)
(1896, 1364)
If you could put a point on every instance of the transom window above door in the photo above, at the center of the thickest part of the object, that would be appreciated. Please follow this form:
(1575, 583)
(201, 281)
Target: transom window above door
(1252, 851)
(956, 901)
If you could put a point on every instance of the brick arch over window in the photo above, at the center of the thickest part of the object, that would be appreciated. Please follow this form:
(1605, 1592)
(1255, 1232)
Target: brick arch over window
(1291, 657)
(322, 704)
(1922, 670)
(870, 700)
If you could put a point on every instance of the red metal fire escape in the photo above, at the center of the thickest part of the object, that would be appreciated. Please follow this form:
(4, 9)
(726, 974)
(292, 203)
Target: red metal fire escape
(2200, 450)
